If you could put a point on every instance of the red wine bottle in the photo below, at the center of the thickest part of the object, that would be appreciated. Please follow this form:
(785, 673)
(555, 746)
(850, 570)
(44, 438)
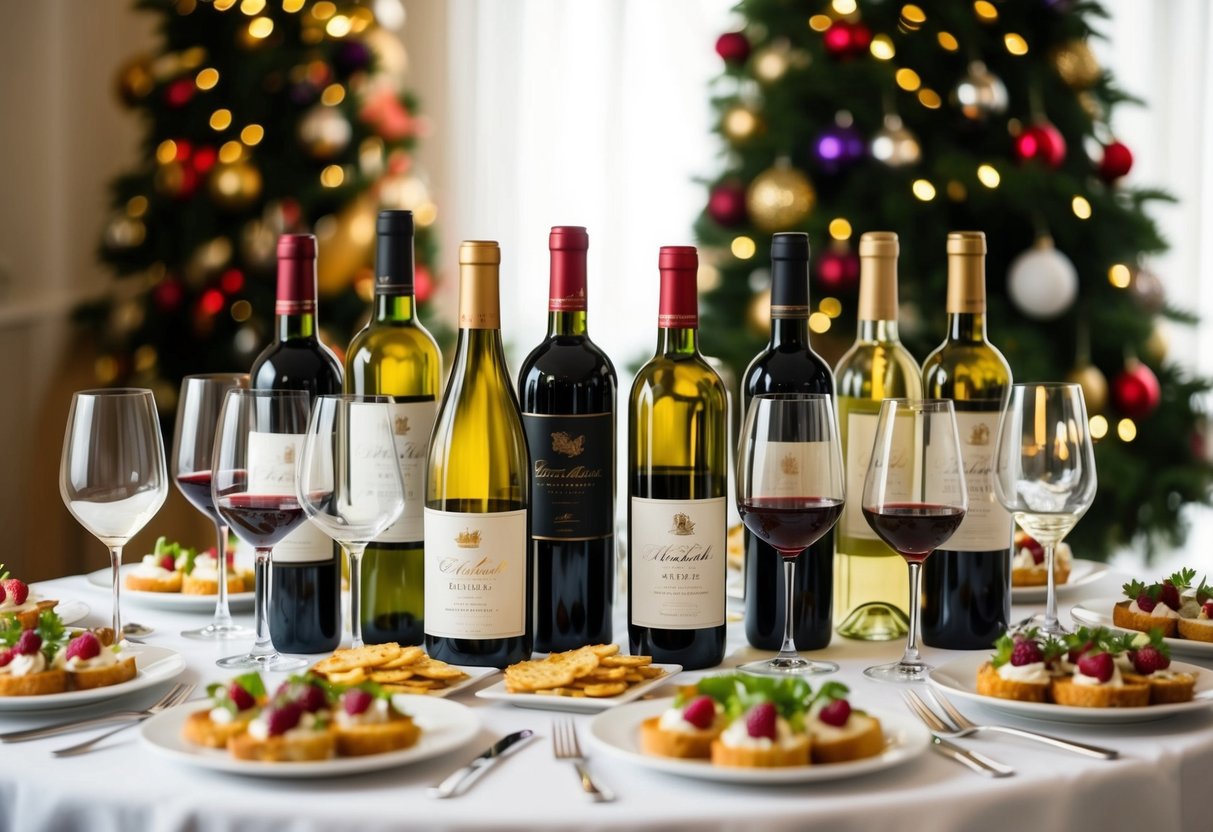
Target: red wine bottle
(788, 365)
(566, 389)
(305, 576)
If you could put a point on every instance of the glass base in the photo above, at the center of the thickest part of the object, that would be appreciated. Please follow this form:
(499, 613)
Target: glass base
(135, 630)
(1056, 629)
(274, 662)
(780, 666)
(898, 673)
(875, 622)
(219, 632)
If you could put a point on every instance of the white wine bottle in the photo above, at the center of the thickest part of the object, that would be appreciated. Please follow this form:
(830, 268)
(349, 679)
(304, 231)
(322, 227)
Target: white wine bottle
(870, 579)
(478, 577)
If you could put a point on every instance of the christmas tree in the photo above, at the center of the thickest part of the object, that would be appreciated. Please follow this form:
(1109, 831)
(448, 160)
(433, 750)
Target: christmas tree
(262, 117)
(928, 117)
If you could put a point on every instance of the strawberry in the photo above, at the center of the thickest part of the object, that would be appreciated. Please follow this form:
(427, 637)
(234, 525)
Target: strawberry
(311, 698)
(1038, 551)
(760, 721)
(356, 701)
(836, 713)
(3, 594)
(16, 589)
(241, 698)
(1146, 603)
(1026, 652)
(701, 712)
(84, 646)
(1170, 595)
(1097, 666)
(283, 718)
(1208, 608)
(1077, 653)
(6, 656)
(1148, 659)
(168, 562)
(29, 643)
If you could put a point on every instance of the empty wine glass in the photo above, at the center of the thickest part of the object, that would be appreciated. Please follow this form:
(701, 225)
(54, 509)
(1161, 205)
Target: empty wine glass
(112, 474)
(258, 439)
(1044, 470)
(193, 451)
(349, 479)
(790, 493)
(914, 499)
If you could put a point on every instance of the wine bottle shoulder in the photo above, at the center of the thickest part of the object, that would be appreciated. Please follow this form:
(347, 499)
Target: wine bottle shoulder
(297, 364)
(566, 364)
(395, 359)
(679, 375)
(878, 370)
(968, 371)
(787, 370)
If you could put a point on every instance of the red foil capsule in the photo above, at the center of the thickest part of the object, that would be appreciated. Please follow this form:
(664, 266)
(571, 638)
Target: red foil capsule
(296, 275)
(566, 288)
(679, 308)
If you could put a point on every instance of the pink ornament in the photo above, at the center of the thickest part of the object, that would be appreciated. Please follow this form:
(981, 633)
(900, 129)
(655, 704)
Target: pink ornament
(1136, 392)
(733, 48)
(1116, 162)
(726, 204)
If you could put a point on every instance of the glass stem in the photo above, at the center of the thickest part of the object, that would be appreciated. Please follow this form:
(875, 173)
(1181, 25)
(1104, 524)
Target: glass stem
(911, 656)
(116, 567)
(1051, 624)
(354, 553)
(223, 613)
(262, 646)
(788, 651)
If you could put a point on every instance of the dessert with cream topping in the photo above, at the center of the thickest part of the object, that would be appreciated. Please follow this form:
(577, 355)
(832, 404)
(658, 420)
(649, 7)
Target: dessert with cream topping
(1154, 605)
(233, 707)
(27, 657)
(90, 664)
(1028, 564)
(1097, 681)
(1022, 668)
(295, 726)
(762, 738)
(368, 722)
(159, 571)
(839, 732)
(686, 729)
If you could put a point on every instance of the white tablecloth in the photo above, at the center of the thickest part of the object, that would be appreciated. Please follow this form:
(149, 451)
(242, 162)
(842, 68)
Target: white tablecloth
(1161, 783)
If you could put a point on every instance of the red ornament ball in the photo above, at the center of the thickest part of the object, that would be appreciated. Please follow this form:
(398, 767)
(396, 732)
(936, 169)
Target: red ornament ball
(423, 283)
(726, 204)
(1116, 162)
(861, 38)
(838, 270)
(168, 295)
(1042, 142)
(733, 48)
(839, 39)
(179, 93)
(1136, 392)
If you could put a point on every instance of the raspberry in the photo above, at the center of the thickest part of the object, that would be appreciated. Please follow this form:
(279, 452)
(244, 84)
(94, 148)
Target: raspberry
(168, 562)
(1170, 595)
(311, 698)
(84, 646)
(17, 589)
(1148, 659)
(1038, 551)
(1026, 652)
(3, 594)
(760, 721)
(1208, 608)
(356, 701)
(6, 656)
(701, 712)
(1077, 653)
(283, 718)
(29, 643)
(1098, 666)
(1146, 603)
(241, 698)
(836, 713)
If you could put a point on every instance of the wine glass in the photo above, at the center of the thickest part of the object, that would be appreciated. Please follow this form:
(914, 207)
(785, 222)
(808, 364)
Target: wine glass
(790, 493)
(193, 450)
(258, 438)
(349, 479)
(914, 499)
(111, 474)
(1044, 470)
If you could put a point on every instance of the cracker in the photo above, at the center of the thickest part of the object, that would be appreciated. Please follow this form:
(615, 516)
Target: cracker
(391, 676)
(626, 661)
(370, 655)
(604, 650)
(347, 677)
(607, 674)
(557, 670)
(434, 669)
(408, 656)
(605, 689)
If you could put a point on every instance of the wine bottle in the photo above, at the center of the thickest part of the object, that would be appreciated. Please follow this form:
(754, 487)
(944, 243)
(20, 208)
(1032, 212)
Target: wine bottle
(566, 388)
(478, 578)
(788, 365)
(677, 482)
(967, 585)
(305, 575)
(395, 355)
(870, 579)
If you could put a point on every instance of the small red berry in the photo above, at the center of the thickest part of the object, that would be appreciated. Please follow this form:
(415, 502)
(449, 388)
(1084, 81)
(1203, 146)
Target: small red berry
(1148, 659)
(1170, 595)
(241, 698)
(1146, 603)
(1038, 551)
(283, 718)
(356, 701)
(836, 713)
(6, 656)
(1208, 608)
(1077, 653)
(168, 562)
(29, 643)
(17, 589)
(1098, 666)
(701, 712)
(3, 594)
(760, 722)
(83, 646)
(311, 698)
(1026, 652)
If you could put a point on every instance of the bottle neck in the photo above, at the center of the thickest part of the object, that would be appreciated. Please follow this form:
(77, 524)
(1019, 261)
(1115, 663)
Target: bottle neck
(296, 326)
(790, 302)
(790, 332)
(967, 327)
(878, 332)
(566, 323)
(677, 341)
(394, 308)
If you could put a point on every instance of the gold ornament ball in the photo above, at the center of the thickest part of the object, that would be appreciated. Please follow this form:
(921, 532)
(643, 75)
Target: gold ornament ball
(324, 132)
(895, 145)
(740, 124)
(346, 242)
(780, 198)
(234, 186)
(771, 63)
(1094, 386)
(1076, 64)
(134, 80)
(758, 315)
(1158, 344)
(124, 232)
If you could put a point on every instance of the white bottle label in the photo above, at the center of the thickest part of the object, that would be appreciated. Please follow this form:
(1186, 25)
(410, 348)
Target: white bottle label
(791, 469)
(987, 526)
(270, 466)
(412, 423)
(861, 434)
(475, 574)
(677, 563)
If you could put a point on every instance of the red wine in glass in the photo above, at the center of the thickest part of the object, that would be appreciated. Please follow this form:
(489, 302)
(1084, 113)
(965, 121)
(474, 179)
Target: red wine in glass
(196, 488)
(789, 524)
(262, 519)
(914, 530)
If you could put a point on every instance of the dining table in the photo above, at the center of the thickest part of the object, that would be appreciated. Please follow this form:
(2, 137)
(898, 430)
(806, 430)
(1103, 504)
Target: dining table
(1158, 782)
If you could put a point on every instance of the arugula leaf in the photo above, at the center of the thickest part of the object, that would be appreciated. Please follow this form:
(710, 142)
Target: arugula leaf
(54, 634)
(10, 630)
(738, 692)
(251, 682)
(1182, 579)
(1203, 592)
(1053, 649)
(3, 572)
(1003, 648)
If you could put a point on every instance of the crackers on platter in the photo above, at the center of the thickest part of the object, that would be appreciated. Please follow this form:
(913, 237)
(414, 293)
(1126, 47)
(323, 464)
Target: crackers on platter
(394, 668)
(596, 671)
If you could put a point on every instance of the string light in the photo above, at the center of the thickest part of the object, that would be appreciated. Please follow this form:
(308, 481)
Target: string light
(338, 26)
(988, 176)
(986, 11)
(882, 48)
(166, 151)
(324, 10)
(252, 7)
(923, 189)
(224, 5)
(912, 18)
(231, 152)
(840, 229)
(708, 277)
(831, 307)
(292, 6)
(333, 95)
(1015, 44)
(820, 322)
(929, 99)
(1126, 430)
(957, 191)
(1082, 208)
(136, 206)
(260, 27)
(743, 248)
(820, 22)
(221, 119)
(242, 310)
(252, 134)
(425, 214)
(908, 79)
(1099, 427)
(105, 369)
(948, 41)
(845, 7)
(1120, 276)
(207, 79)
(145, 358)
(332, 176)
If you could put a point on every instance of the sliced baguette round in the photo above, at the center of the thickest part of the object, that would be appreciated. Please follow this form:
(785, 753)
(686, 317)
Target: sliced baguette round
(795, 753)
(314, 745)
(102, 677)
(200, 729)
(861, 737)
(1039, 576)
(1129, 695)
(29, 618)
(1196, 629)
(990, 683)
(695, 745)
(147, 583)
(364, 740)
(1124, 617)
(1167, 691)
(35, 684)
(204, 586)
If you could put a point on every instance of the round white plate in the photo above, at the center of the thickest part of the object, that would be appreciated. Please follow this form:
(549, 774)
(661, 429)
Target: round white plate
(445, 726)
(70, 612)
(958, 680)
(577, 705)
(1098, 613)
(617, 732)
(1082, 573)
(179, 602)
(154, 665)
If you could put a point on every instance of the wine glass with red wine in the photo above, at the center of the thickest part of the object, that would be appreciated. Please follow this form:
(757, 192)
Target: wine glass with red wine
(789, 494)
(259, 437)
(193, 450)
(914, 499)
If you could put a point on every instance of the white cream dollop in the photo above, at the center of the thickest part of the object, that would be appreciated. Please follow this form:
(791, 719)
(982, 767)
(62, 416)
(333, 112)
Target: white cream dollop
(222, 716)
(737, 736)
(1160, 610)
(671, 720)
(27, 664)
(106, 658)
(150, 567)
(1033, 673)
(1116, 681)
(377, 714)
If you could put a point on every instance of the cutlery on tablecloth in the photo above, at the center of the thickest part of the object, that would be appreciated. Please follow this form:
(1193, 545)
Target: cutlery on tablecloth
(175, 694)
(977, 762)
(566, 747)
(460, 781)
(183, 692)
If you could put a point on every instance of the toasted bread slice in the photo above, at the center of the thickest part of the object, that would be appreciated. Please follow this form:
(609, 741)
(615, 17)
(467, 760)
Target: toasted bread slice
(314, 745)
(1122, 616)
(191, 585)
(102, 677)
(1197, 629)
(363, 740)
(795, 753)
(990, 683)
(1039, 576)
(147, 583)
(1129, 695)
(200, 729)
(688, 745)
(1167, 690)
(861, 737)
(35, 684)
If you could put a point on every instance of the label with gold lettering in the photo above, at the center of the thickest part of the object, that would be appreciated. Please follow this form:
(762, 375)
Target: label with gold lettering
(572, 475)
(475, 574)
(676, 560)
(987, 526)
(271, 472)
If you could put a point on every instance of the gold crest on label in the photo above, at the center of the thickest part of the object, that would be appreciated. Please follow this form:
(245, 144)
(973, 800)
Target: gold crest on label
(980, 435)
(401, 426)
(562, 443)
(468, 539)
(288, 455)
(683, 525)
(790, 465)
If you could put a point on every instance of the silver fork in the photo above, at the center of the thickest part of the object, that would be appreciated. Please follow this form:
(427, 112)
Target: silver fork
(182, 693)
(960, 726)
(978, 762)
(81, 724)
(566, 747)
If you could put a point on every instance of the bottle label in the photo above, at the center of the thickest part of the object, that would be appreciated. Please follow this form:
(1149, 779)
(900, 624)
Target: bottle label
(861, 434)
(987, 526)
(789, 469)
(412, 422)
(270, 466)
(572, 475)
(677, 563)
(475, 574)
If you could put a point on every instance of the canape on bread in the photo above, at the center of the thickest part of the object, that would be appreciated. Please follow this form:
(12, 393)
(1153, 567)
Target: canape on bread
(1097, 681)
(89, 664)
(1155, 605)
(1150, 663)
(368, 722)
(1028, 564)
(233, 707)
(1022, 667)
(160, 571)
(295, 727)
(685, 730)
(15, 601)
(761, 738)
(202, 576)
(841, 734)
(27, 666)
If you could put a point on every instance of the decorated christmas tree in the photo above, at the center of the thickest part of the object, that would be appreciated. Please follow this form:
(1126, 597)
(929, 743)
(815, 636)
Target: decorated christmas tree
(261, 117)
(927, 117)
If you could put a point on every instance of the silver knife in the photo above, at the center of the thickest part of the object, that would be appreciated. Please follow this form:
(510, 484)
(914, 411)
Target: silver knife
(458, 782)
(971, 759)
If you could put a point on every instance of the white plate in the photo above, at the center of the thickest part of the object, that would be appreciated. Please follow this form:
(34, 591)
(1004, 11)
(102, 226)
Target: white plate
(586, 705)
(617, 732)
(1098, 613)
(70, 612)
(475, 674)
(238, 601)
(154, 665)
(445, 726)
(1082, 573)
(958, 679)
